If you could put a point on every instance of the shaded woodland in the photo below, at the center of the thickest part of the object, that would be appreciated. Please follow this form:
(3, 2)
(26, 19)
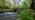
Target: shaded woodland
(25, 7)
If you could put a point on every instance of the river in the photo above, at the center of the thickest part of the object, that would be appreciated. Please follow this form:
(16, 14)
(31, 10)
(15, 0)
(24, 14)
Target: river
(8, 15)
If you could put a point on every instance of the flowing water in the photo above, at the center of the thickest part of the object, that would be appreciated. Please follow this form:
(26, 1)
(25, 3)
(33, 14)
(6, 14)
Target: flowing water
(8, 15)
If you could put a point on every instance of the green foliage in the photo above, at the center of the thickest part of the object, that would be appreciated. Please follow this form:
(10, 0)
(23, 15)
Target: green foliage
(1, 3)
(26, 3)
(25, 15)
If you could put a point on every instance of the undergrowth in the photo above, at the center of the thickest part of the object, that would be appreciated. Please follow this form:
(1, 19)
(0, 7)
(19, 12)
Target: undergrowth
(25, 15)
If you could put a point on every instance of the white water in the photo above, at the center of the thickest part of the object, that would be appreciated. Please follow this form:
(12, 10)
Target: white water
(8, 13)
(8, 16)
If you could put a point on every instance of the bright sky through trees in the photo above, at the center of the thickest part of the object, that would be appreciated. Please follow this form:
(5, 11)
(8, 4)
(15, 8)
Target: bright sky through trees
(11, 1)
